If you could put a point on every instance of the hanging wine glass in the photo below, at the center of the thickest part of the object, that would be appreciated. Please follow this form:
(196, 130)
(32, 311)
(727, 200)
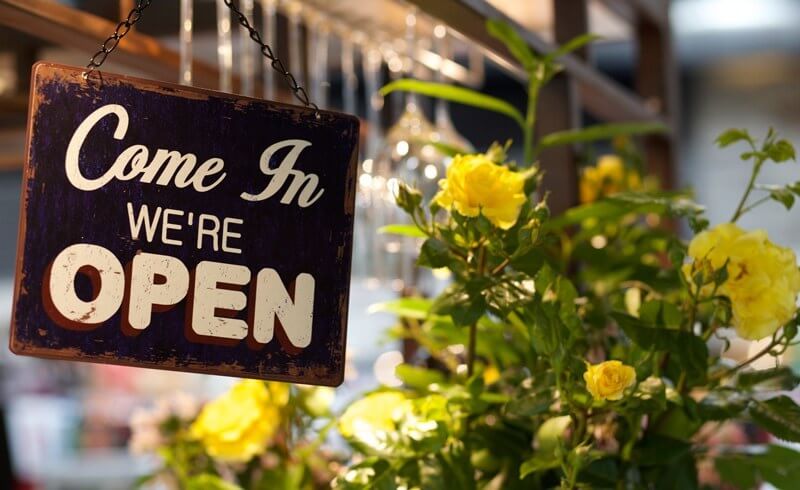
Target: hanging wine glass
(448, 135)
(185, 49)
(247, 53)
(408, 157)
(270, 19)
(224, 47)
(371, 198)
(318, 42)
(295, 10)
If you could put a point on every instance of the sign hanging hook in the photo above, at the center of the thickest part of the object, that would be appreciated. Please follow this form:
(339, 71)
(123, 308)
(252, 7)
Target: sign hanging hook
(122, 29)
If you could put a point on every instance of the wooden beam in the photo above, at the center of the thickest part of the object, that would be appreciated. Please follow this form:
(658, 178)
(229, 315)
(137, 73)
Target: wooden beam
(560, 109)
(655, 11)
(66, 26)
(602, 97)
(656, 81)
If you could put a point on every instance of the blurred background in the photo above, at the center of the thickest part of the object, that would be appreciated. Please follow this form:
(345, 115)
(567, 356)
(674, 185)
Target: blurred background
(700, 66)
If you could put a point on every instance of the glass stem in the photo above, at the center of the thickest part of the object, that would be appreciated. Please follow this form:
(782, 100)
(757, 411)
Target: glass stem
(186, 42)
(224, 47)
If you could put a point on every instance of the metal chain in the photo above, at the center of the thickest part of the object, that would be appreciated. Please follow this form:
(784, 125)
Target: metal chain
(110, 44)
(277, 65)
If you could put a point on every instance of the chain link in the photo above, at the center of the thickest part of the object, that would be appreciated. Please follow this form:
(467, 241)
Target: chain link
(110, 44)
(277, 65)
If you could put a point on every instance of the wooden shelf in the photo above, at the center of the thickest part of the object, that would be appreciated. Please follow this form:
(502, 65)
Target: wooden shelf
(602, 97)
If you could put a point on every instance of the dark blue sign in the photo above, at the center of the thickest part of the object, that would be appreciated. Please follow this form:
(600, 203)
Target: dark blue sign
(177, 228)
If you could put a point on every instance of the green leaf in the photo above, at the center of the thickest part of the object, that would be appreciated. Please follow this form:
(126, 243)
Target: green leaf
(737, 471)
(207, 481)
(551, 434)
(414, 308)
(514, 42)
(457, 470)
(434, 254)
(777, 465)
(370, 474)
(538, 463)
(663, 203)
(448, 149)
(779, 378)
(417, 377)
(781, 151)
(289, 477)
(780, 416)
(602, 473)
(721, 405)
(463, 308)
(660, 313)
(659, 450)
(529, 405)
(404, 230)
(571, 45)
(731, 136)
(600, 132)
(456, 94)
(783, 195)
(690, 351)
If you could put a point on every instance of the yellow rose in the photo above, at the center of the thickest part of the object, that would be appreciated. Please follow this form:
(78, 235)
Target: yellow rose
(608, 177)
(609, 380)
(375, 413)
(476, 184)
(239, 424)
(763, 279)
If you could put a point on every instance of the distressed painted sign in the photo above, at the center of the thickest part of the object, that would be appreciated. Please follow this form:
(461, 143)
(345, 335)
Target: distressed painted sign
(176, 228)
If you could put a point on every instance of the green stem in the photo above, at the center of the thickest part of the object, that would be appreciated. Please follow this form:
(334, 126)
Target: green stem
(766, 350)
(708, 333)
(473, 339)
(690, 327)
(580, 427)
(530, 120)
(740, 208)
(760, 201)
(473, 329)
(636, 429)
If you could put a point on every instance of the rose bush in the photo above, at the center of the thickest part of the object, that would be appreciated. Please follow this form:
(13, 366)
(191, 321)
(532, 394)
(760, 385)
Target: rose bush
(586, 348)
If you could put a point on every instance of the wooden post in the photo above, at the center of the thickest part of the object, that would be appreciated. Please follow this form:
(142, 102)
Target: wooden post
(559, 109)
(656, 82)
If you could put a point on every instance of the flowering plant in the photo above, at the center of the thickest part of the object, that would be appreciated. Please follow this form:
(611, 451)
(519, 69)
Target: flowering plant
(586, 349)
(257, 435)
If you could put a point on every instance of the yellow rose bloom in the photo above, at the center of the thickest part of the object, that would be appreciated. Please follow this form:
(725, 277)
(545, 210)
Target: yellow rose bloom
(608, 177)
(609, 380)
(476, 184)
(375, 413)
(763, 279)
(239, 424)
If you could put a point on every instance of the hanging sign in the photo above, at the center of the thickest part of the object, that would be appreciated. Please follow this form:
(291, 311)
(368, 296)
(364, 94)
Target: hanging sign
(176, 228)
